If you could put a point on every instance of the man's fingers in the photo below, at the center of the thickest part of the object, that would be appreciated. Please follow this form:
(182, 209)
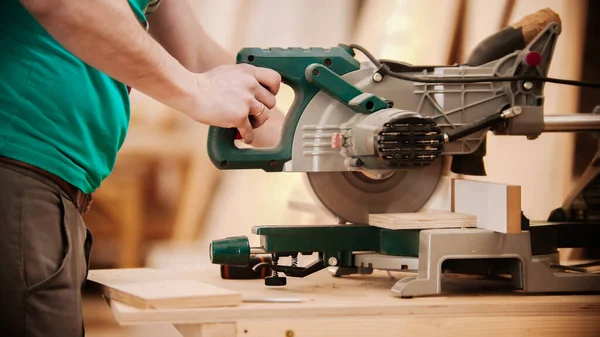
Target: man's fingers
(268, 78)
(259, 114)
(265, 97)
(245, 129)
(258, 121)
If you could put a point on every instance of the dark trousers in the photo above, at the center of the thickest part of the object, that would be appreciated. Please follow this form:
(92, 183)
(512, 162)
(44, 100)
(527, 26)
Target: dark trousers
(44, 257)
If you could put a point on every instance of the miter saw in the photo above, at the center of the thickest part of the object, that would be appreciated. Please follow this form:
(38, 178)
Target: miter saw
(375, 137)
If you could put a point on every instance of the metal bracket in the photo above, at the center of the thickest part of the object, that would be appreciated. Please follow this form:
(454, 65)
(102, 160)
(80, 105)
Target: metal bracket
(535, 274)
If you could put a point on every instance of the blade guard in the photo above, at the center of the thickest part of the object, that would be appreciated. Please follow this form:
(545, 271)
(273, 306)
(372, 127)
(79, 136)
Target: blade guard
(291, 64)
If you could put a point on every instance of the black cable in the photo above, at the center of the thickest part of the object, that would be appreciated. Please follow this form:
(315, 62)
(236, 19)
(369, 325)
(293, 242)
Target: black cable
(368, 54)
(473, 127)
(385, 70)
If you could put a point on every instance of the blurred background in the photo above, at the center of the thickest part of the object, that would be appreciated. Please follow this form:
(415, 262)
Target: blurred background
(165, 201)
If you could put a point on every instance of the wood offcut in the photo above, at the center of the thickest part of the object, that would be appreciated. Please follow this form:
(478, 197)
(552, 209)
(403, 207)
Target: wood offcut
(430, 219)
(497, 206)
(150, 289)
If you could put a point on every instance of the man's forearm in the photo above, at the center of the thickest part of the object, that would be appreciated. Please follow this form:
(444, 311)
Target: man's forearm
(177, 28)
(110, 39)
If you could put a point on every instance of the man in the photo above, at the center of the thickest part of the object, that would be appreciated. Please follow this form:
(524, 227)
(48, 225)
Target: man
(65, 69)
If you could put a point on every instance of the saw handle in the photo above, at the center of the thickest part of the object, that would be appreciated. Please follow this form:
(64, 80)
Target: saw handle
(291, 64)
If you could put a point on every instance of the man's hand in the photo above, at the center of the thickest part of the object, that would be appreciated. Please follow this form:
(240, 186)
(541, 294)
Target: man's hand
(229, 94)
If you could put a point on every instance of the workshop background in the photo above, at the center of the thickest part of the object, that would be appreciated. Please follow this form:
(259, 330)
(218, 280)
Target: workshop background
(165, 201)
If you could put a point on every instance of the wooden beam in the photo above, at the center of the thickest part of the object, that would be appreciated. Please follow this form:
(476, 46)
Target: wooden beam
(497, 206)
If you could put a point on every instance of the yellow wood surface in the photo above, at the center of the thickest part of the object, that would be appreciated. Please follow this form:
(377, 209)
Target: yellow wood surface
(361, 305)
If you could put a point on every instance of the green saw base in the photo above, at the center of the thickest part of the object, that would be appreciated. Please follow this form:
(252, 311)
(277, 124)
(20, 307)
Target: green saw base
(337, 245)
(338, 238)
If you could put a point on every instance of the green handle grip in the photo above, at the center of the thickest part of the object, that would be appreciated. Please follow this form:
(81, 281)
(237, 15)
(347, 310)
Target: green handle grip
(291, 64)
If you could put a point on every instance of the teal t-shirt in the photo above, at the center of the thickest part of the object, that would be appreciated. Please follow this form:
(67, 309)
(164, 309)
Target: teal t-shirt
(56, 112)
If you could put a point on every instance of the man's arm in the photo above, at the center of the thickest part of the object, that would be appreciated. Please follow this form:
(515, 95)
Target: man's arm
(177, 28)
(110, 39)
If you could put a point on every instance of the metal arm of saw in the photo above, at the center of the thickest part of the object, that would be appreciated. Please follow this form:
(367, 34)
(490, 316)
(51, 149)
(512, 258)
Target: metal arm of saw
(346, 93)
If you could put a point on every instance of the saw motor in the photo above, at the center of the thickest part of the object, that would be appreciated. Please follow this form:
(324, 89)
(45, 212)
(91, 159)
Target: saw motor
(390, 139)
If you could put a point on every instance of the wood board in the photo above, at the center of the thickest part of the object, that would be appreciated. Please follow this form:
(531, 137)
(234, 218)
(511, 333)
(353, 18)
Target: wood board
(423, 220)
(150, 289)
(497, 206)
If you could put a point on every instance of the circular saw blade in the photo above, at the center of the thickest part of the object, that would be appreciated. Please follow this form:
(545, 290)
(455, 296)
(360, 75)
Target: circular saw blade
(352, 196)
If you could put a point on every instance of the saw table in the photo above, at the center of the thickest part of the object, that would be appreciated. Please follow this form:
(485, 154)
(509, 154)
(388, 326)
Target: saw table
(359, 306)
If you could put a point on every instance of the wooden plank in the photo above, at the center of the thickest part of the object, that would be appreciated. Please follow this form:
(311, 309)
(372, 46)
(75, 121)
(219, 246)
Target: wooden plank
(571, 325)
(497, 206)
(423, 220)
(207, 330)
(171, 294)
(474, 326)
(144, 288)
(359, 297)
(325, 306)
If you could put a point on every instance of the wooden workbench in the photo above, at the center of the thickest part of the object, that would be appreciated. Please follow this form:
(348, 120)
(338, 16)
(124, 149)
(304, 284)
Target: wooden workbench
(364, 306)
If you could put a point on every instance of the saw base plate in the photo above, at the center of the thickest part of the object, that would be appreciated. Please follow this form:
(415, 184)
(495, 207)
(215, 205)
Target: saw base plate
(529, 259)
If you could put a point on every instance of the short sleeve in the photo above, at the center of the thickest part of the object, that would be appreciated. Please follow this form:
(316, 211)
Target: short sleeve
(153, 6)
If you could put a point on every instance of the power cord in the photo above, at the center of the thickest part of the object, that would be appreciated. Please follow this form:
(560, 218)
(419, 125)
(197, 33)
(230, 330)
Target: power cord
(385, 70)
